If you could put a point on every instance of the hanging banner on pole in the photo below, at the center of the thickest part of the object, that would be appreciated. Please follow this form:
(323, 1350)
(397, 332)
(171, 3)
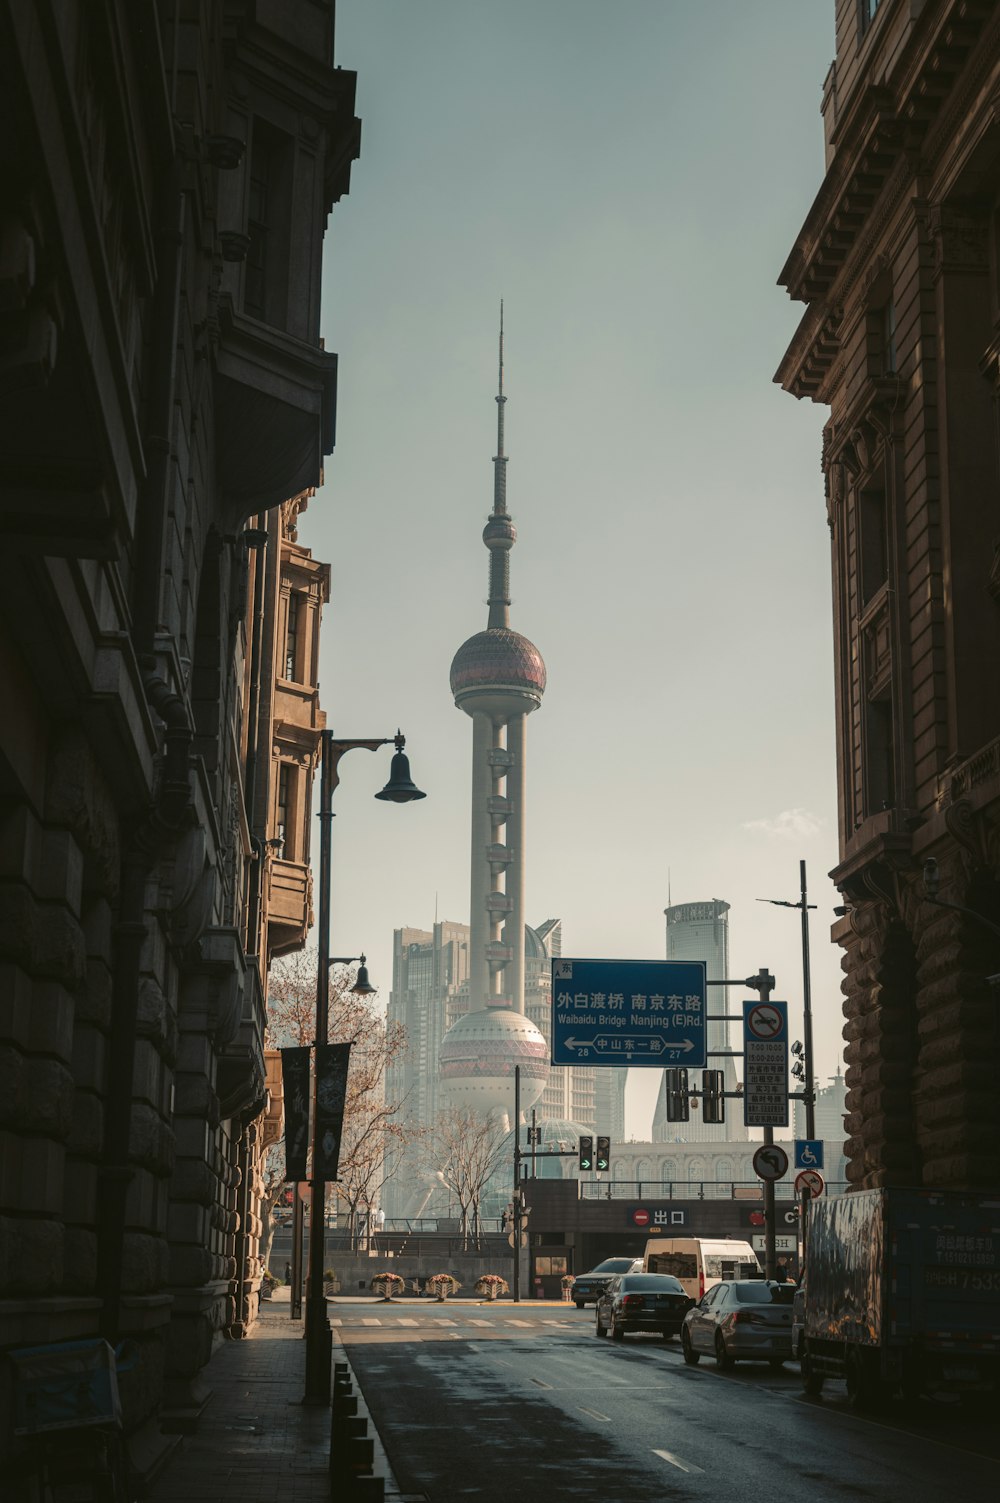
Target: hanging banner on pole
(295, 1084)
(765, 1064)
(332, 1062)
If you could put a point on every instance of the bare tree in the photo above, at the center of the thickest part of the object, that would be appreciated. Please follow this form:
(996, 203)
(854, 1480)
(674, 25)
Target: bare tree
(468, 1150)
(372, 1132)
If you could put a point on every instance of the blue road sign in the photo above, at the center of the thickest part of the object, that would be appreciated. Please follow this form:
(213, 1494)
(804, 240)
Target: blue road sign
(628, 1012)
(808, 1153)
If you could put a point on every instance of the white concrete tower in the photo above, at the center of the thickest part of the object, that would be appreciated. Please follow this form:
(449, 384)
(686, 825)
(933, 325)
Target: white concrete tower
(498, 678)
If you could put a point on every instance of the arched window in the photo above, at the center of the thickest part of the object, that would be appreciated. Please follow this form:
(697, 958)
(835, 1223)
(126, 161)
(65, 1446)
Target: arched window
(723, 1174)
(695, 1170)
(668, 1172)
(642, 1171)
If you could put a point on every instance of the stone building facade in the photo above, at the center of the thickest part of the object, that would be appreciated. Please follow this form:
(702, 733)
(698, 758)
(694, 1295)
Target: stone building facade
(898, 263)
(166, 178)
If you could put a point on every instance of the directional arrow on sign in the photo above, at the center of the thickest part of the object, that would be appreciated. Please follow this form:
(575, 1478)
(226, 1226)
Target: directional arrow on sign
(618, 1042)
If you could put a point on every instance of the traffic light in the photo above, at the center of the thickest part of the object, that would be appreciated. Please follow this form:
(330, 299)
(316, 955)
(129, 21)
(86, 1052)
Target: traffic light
(712, 1088)
(586, 1153)
(602, 1160)
(675, 1084)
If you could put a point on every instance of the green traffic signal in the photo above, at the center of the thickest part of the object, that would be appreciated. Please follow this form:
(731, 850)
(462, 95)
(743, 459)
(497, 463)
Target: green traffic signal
(586, 1155)
(603, 1154)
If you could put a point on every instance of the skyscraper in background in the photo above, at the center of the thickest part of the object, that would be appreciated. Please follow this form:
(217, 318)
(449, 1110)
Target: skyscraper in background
(700, 931)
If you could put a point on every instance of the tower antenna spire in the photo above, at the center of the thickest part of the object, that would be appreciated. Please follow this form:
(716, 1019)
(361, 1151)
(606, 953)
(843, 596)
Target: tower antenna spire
(500, 534)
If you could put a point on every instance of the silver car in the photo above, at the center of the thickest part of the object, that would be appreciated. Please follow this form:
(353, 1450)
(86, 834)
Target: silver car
(746, 1321)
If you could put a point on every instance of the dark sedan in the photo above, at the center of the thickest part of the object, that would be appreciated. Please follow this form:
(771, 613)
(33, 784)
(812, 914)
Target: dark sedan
(590, 1286)
(642, 1302)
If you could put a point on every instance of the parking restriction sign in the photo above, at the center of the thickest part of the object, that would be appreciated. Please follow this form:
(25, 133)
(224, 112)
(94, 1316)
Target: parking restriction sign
(765, 1064)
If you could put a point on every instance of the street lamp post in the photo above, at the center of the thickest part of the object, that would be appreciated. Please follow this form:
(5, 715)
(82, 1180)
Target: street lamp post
(400, 789)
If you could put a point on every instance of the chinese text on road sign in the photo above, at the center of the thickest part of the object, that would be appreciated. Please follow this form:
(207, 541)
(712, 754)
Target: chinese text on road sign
(765, 1064)
(628, 1012)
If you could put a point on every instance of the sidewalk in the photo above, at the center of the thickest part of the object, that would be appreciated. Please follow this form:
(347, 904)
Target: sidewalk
(257, 1442)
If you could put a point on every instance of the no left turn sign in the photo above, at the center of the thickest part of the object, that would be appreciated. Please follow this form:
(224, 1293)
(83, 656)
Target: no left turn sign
(770, 1162)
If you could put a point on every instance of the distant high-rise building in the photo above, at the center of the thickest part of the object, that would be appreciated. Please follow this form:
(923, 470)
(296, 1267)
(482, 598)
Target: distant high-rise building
(430, 970)
(590, 1096)
(700, 931)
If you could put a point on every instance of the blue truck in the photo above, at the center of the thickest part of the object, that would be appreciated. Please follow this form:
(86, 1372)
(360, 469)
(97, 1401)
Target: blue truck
(902, 1294)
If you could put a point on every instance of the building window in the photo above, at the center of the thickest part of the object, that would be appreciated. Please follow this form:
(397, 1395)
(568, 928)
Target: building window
(889, 366)
(866, 14)
(880, 781)
(293, 636)
(265, 274)
(282, 827)
(873, 543)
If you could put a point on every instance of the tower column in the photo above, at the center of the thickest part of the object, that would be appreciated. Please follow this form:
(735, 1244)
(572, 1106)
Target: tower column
(482, 787)
(516, 734)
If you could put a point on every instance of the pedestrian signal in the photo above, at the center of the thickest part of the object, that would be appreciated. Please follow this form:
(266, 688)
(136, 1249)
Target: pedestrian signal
(602, 1159)
(586, 1153)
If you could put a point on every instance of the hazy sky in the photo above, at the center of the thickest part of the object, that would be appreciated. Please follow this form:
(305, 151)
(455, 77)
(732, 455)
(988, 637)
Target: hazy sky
(629, 177)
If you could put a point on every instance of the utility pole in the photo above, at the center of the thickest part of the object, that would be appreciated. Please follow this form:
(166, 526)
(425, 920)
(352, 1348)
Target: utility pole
(516, 1218)
(809, 1095)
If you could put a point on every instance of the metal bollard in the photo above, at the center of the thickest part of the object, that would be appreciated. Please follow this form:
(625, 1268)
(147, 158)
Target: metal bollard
(357, 1455)
(366, 1490)
(343, 1426)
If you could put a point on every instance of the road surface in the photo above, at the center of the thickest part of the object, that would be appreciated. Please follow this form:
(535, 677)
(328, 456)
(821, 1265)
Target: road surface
(513, 1404)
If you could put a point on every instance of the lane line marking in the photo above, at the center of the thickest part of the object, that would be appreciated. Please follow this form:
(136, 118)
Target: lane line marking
(541, 1383)
(594, 1413)
(682, 1466)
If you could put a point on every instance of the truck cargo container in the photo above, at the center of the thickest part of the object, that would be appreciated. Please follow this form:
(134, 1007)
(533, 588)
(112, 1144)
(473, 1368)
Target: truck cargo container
(902, 1293)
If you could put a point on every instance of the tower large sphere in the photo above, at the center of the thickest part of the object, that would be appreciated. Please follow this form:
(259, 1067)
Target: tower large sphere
(478, 1056)
(498, 671)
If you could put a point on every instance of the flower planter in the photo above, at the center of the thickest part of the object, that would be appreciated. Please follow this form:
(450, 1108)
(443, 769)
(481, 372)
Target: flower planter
(440, 1285)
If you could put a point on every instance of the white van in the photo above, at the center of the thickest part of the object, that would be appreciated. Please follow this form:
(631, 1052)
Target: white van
(701, 1262)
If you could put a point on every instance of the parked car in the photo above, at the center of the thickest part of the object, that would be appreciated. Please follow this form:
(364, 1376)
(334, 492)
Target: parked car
(642, 1302)
(746, 1321)
(588, 1288)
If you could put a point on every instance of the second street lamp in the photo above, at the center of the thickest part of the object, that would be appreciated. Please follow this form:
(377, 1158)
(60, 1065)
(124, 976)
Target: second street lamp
(400, 789)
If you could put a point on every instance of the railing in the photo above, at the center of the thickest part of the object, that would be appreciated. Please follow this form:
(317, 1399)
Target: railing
(703, 1189)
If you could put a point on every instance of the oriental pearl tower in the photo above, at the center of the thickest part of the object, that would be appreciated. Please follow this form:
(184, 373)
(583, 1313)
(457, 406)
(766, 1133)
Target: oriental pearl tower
(497, 678)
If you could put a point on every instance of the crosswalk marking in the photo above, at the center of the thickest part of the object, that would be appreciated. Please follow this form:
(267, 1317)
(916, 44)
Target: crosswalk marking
(519, 1322)
(370, 1320)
